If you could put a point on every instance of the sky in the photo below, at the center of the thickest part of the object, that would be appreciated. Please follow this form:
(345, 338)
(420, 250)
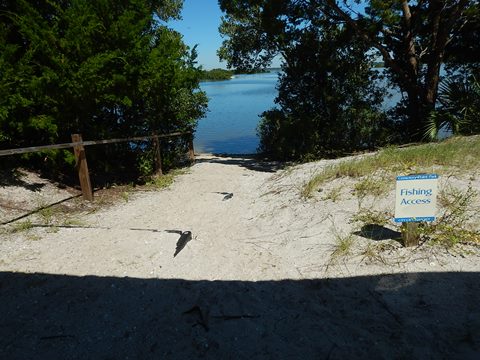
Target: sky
(199, 25)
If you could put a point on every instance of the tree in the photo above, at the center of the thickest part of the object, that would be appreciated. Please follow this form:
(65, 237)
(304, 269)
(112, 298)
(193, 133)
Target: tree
(102, 68)
(459, 108)
(328, 105)
(413, 38)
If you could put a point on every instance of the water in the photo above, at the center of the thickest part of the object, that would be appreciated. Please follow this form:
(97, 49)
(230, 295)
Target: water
(234, 109)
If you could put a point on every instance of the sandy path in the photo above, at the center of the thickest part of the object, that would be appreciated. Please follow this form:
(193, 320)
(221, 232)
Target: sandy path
(253, 282)
(247, 237)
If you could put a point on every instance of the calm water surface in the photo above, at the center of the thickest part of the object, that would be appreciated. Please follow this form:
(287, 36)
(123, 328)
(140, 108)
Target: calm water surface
(230, 126)
(234, 109)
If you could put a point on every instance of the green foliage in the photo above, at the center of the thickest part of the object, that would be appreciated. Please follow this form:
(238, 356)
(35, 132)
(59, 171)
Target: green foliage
(21, 226)
(372, 253)
(342, 248)
(454, 154)
(105, 69)
(371, 217)
(216, 74)
(459, 110)
(328, 104)
(458, 205)
(371, 186)
(333, 194)
(164, 181)
(457, 224)
(145, 162)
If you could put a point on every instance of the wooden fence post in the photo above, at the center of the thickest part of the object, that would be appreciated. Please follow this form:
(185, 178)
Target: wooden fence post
(158, 155)
(410, 234)
(82, 168)
(191, 150)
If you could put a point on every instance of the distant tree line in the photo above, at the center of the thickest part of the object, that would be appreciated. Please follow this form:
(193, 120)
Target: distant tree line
(330, 100)
(222, 74)
(102, 68)
(216, 74)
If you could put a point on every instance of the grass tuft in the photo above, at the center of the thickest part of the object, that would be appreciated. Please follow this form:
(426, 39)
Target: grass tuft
(164, 181)
(334, 194)
(453, 226)
(373, 254)
(372, 186)
(21, 226)
(343, 246)
(451, 155)
(369, 217)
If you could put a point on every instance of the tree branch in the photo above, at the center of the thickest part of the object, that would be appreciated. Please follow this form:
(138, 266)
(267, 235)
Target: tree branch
(387, 58)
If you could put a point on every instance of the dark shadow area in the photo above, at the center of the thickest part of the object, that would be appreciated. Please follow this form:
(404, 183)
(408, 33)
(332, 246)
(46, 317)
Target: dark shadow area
(251, 162)
(13, 177)
(404, 316)
(39, 209)
(378, 233)
(108, 164)
(226, 195)
(182, 241)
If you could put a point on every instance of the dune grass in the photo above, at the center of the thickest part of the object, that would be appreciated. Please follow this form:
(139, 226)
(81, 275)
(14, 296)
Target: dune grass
(451, 155)
(165, 180)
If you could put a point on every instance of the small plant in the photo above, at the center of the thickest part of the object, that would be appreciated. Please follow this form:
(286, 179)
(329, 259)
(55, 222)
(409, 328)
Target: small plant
(334, 194)
(164, 181)
(372, 253)
(47, 215)
(452, 227)
(343, 245)
(342, 248)
(449, 236)
(310, 187)
(457, 204)
(371, 217)
(375, 253)
(21, 226)
(371, 186)
(161, 182)
(125, 195)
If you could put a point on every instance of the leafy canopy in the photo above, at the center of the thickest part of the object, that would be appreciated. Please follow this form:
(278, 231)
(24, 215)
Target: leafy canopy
(102, 68)
(412, 38)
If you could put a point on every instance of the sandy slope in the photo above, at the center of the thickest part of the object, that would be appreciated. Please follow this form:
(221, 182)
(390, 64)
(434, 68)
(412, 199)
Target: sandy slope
(257, 279)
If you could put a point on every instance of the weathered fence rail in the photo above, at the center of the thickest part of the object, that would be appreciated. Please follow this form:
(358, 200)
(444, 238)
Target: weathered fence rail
(81, 165)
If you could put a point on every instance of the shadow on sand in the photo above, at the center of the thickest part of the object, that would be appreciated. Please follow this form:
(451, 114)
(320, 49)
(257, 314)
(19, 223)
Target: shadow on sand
(416, 315)
(251, 162)
(13, 177)
(378, 233)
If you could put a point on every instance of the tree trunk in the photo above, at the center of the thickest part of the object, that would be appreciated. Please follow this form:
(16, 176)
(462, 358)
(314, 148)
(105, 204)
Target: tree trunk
(406, 60)
(431, 84)
(415, 112)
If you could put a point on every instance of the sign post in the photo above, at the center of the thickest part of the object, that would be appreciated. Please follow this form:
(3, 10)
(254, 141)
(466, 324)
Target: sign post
(415, 201)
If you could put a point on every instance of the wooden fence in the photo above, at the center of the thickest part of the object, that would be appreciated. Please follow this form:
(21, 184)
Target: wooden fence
(81, 165)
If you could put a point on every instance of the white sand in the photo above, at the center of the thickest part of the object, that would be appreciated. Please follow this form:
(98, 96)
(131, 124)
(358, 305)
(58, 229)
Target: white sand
(256, 281)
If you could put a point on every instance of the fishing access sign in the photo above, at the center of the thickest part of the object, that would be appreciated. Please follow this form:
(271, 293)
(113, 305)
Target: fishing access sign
(416, 198)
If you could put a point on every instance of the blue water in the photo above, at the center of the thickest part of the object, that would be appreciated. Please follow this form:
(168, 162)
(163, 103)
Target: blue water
(230, 126)
(234, 109)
